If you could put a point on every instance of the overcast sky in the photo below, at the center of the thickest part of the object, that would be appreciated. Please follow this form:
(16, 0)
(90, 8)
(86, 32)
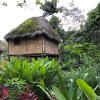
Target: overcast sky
(11, 16)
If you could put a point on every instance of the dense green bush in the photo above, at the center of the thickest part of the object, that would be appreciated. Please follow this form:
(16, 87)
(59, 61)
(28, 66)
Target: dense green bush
(73, 92)
(33, 71)
(40, 71)
(44, 73)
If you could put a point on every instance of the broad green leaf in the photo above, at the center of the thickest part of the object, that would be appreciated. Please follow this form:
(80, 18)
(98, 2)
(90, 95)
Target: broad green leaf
(88, 91)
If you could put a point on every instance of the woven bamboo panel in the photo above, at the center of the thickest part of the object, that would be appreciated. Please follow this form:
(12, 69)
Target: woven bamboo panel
(37, 45)
(28, 46)
(51, 47)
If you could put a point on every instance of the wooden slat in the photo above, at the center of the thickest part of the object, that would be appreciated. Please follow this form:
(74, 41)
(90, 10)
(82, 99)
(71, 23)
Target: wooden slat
(38, 45)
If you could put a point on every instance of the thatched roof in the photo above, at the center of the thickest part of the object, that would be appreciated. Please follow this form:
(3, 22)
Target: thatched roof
(32, 27)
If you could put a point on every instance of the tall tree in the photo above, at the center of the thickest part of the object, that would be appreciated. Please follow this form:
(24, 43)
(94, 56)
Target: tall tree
(49, 7)
(72, 16)
(92, 27)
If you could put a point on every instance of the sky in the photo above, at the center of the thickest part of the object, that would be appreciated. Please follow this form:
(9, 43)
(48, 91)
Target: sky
(11, 16)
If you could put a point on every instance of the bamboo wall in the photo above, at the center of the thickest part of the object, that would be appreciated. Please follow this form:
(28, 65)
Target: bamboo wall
(50, 47)
(37, 45)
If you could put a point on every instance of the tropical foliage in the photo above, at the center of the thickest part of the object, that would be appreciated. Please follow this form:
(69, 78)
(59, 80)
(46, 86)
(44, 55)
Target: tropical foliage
(16, 73)
(74, 76)
(92, 29)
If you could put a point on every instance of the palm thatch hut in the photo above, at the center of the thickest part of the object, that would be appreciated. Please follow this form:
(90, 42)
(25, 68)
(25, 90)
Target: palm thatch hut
(34, 37)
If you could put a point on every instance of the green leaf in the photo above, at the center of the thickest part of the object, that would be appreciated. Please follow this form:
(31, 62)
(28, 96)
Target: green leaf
(46, 92)
(88, 91)
(41, 82)
(98, 98)
(58, 94)
(62, 85)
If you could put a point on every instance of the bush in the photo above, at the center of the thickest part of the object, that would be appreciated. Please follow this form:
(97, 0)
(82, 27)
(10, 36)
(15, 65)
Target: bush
(19, 72)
